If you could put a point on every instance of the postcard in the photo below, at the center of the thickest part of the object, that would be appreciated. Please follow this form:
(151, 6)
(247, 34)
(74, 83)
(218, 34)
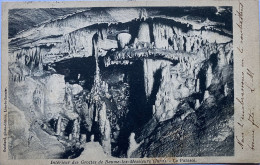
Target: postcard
(130, 82)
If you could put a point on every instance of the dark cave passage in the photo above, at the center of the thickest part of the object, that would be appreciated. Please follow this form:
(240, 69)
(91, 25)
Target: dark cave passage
(156, 85)
(77, 71)
(139, 107)
(140, 110)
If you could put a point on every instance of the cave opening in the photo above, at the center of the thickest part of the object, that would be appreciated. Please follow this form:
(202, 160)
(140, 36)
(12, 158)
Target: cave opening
(77, 70)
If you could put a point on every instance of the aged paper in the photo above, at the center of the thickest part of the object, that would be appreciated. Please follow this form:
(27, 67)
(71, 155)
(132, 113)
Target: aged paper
(130, 82)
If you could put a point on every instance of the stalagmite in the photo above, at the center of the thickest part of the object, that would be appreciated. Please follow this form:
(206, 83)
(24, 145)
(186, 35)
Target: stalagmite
(76, 129)
(188, 44)
(96, 116)
(154, 109)
(175, 47)
(133, 145)
(209, 76)
(206, 95)
(197, 104)
(83, 138)
(197, 89)
(195, 46)
(70, 136)
(107, 141)
(104, 127)
(226, 90)
(58, 126)
(92, 138)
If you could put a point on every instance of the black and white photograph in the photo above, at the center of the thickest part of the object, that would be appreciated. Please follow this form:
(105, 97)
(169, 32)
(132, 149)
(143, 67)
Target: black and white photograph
(120, 82)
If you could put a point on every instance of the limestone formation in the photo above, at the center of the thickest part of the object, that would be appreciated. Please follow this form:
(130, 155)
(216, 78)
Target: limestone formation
(226, 89)
(123, 39)
(144, 33)
(197, 104)
(58, 126)
(206, 95)
(197, 89)
(76, 129)
(209, 76)
(132, 145)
